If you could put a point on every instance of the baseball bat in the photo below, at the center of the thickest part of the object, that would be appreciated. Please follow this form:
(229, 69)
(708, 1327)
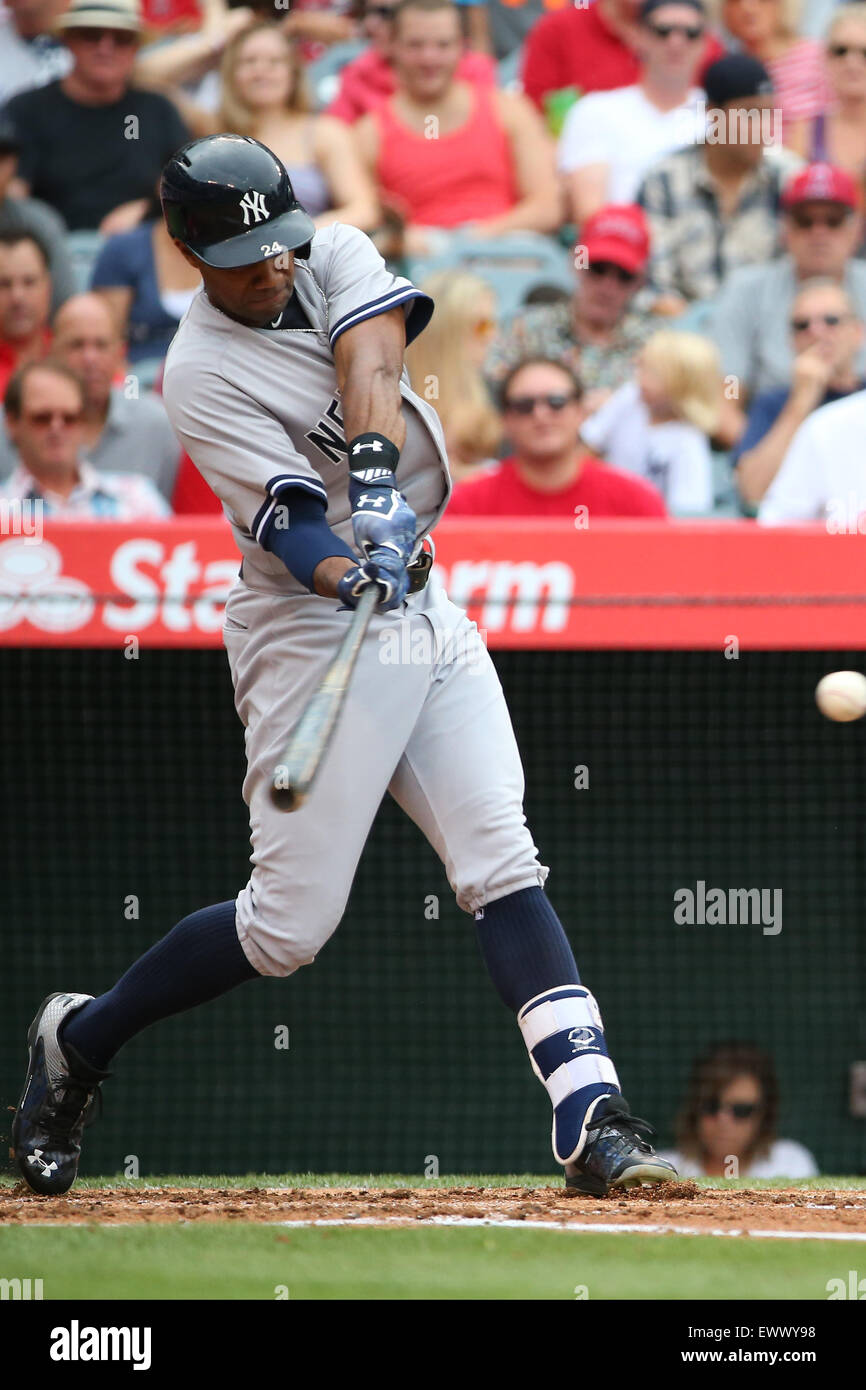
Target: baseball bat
(302, 756)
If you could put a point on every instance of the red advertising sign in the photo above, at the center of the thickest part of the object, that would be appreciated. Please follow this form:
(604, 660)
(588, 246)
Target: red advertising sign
(640, 584)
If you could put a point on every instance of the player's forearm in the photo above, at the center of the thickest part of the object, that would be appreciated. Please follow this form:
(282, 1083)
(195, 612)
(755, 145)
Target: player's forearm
(372, 402)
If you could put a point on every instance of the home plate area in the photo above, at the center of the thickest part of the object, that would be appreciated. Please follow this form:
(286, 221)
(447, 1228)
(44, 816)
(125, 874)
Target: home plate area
(676, 1207)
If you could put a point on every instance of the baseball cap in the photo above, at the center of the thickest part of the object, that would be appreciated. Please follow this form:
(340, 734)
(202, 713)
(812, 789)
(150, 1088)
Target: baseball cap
(619, 234)
(735, 76)
(648, 6)
(100, 14)
(820, 183)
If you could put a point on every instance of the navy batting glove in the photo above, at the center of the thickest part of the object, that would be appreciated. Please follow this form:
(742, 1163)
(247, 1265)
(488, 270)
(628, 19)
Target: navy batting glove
(381, 516)
(387, 570)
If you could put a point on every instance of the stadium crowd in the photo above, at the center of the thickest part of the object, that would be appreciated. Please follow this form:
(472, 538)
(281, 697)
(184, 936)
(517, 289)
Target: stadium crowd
(640, 221)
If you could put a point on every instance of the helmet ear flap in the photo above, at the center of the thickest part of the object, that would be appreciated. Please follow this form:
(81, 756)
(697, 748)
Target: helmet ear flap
(302, 253)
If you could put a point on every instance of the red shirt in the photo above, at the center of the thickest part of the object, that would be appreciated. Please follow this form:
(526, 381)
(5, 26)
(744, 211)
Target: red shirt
(575, 48)
(602, 490)
(464, 176)
(9, 359)
(369, 80)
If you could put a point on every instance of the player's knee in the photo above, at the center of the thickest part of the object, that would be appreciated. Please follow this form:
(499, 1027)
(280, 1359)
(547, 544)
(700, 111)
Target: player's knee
(279, 941)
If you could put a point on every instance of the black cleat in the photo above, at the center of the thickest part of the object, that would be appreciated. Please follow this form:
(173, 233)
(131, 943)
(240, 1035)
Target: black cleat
(616, 1154)
(56, 1101)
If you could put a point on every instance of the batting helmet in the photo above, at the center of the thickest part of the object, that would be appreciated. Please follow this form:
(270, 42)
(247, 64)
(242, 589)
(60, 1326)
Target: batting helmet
(229, 200)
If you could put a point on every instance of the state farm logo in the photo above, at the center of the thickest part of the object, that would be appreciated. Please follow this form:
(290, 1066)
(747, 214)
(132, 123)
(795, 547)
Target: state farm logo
(148, 583)
(33, 588)
(519, 596)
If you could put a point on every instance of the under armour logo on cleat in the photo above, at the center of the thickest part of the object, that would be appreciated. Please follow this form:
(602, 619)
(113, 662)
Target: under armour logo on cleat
(479, 914)
(36, 1157)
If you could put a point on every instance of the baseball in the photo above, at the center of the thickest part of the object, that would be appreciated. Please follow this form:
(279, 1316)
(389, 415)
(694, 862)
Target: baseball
(842, 695)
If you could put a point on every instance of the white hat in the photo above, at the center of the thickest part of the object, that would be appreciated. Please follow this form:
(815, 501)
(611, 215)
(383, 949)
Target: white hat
(101, 14)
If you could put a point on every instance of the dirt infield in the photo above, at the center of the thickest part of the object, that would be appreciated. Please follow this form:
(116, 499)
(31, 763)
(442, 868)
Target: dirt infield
(678, 1206)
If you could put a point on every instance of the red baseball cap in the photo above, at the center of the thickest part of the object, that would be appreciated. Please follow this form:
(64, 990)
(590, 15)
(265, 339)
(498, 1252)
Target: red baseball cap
(821, 183)
(619, 234)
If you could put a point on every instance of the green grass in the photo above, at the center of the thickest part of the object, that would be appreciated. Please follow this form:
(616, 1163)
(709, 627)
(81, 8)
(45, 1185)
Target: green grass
(227, 1261)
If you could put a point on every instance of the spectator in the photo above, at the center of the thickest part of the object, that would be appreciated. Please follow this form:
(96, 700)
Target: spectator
(369, 79)
(826, 336)
(148, 284)
(25, 302)
(751, 321)
(715, 205)
(769, 31)
(580, 49)
(548, 473)
(658, 424)
(44, 404)
(29, 215)
(610, 139)
(120, 433)
(821, 477)
(598, 333)
(263, 95)
(838, 135)
(92, 145)
(731, 1112)
(445, 365)
(30, 55)
(491, 164)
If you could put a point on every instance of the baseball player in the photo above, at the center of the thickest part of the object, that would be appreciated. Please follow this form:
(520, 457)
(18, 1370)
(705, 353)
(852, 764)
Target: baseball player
(285, 383)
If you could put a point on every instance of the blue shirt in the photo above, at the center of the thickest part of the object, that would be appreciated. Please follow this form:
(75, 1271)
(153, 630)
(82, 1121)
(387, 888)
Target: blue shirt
(765, 411)
(127, 260)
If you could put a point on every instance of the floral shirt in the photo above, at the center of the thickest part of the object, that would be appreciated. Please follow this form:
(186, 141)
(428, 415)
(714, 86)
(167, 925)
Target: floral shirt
(547, 330)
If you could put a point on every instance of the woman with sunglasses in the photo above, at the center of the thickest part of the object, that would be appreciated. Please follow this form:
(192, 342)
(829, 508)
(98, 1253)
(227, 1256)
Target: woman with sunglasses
(726, 1127)
(838, 135)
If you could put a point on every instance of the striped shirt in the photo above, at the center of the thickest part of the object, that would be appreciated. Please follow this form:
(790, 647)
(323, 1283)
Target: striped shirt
(96, 496)
(800, 85)
(694, 246)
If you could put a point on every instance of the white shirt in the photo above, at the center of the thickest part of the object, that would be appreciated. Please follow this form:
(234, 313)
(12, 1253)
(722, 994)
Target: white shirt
(823, 474)
(786, 1159)
(674, 457)
(625, 131)
(28, 63)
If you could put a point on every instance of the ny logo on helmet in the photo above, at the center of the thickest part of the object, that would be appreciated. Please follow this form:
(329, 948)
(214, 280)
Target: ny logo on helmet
(254, 203)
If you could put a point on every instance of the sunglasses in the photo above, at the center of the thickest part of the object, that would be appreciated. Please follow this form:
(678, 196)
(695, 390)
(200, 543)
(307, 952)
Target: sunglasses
(841, 50)
(602, 269)
(525, 405)
(43, 418)
(740, 1110)
(692, 32)
(121, 38)
(381, 11)
(807, 220)
(829, 321)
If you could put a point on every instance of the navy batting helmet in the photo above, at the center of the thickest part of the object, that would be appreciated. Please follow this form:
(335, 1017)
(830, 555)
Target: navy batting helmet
(229, 200)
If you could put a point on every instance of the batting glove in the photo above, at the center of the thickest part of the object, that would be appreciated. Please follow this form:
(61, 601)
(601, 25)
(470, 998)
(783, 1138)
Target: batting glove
(384, 568)
(381, 516)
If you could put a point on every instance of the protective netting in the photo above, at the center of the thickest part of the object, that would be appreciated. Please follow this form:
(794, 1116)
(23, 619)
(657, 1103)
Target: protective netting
(121, 812)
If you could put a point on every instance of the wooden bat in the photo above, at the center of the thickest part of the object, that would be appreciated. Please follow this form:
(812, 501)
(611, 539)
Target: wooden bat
(302, 756)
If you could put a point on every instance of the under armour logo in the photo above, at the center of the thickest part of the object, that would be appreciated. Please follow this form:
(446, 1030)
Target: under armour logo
(581, 1038)
(36, 1157)
(371, 500)
(254, 204)
(374, 444)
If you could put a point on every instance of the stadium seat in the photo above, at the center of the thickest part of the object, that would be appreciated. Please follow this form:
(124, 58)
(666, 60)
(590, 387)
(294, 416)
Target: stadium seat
(323, 75)
(508, 71)
(726, 499)
(84, 247)
(512, 265)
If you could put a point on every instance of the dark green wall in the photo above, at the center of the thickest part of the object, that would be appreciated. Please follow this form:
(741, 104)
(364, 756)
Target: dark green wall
(123, 777)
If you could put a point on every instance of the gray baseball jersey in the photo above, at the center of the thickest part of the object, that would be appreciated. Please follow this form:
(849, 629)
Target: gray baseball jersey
(258, 410)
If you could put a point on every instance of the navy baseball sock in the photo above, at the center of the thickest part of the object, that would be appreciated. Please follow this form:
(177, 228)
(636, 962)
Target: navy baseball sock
(532, 966)
(198, 960)
(524, 946)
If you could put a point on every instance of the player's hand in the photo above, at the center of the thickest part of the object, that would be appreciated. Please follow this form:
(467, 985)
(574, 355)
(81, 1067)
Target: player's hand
(384, 568)
(381, 518)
